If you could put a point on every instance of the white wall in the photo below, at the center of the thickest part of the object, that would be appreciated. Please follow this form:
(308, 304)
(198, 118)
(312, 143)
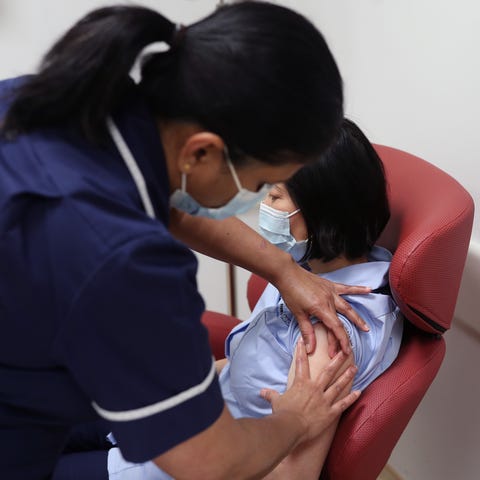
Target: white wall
(28, 27)
(411, 70)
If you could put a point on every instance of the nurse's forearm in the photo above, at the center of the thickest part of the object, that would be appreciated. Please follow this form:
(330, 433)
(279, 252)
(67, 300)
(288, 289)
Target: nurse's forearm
(305, 294)
(250, 448)
(232, 241)
(235, 449)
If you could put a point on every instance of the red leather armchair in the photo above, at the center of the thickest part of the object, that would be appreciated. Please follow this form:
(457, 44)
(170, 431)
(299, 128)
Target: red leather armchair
(429, 233)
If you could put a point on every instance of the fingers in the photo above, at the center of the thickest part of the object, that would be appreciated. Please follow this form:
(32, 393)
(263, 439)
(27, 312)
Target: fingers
(334, 325)
(308, 334)
(341, 405)
(302, 366)
(343, 289)
(346, 309)
(338, 386)
(333, 344)
(269, 395)
(326, 376)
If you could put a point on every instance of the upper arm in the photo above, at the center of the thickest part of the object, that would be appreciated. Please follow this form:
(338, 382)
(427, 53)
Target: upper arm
(307, 460)
(319, 359)
(139, 313)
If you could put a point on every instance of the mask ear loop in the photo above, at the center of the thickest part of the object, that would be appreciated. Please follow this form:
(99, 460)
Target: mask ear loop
(291, 214)
(232, 169)
(183, 180)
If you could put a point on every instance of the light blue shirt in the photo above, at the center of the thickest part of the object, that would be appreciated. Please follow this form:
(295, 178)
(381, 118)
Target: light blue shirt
(260, 350)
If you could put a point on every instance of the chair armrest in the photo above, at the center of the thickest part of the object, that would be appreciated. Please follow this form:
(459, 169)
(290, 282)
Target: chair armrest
(219, 326)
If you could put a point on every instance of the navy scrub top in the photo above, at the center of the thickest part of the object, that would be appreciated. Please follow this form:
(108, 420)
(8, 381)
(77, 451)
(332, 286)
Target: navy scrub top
(99, 308)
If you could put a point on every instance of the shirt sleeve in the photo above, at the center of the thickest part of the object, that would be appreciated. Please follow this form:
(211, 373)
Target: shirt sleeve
(135, 344)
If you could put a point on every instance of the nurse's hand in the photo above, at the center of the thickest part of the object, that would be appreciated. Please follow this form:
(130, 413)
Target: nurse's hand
(309, 295)
(317, 401)
(251, 447)
(306, 295)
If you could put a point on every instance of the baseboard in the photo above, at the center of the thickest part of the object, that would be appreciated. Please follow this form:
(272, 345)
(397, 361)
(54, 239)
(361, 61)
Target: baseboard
(467, 303)
(389, 473)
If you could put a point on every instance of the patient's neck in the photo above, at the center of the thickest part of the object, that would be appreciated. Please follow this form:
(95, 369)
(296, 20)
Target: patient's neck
(319, 266)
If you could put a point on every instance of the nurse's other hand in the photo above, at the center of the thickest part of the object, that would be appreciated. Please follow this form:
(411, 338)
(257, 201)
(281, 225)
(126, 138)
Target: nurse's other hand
(316, 401)
(309, 295)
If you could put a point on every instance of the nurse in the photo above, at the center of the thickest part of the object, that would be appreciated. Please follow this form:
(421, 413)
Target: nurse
(135, 139)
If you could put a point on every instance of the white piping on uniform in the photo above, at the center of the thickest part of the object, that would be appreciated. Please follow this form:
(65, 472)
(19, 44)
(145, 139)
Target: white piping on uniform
(132, 166)
(143, 412)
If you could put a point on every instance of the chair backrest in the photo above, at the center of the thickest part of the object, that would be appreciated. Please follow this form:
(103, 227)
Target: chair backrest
(429, 233)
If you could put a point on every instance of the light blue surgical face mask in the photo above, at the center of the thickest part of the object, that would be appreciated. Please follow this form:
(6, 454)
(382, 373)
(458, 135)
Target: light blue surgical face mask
(243, 201)
(274, 226)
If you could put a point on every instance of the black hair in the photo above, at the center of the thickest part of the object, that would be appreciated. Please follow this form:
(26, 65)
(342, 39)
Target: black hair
(259, 75)
(342, 197)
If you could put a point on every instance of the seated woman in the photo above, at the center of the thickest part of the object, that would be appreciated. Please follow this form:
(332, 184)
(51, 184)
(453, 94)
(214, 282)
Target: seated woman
(328, 216)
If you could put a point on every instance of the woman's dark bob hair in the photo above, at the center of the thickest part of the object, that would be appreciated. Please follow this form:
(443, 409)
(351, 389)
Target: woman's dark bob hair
(259, 75)
(342, 197)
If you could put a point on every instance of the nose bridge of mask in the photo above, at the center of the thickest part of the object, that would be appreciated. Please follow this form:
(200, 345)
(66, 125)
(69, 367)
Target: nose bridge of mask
(274, 225)
(276, 221)
(277, 213)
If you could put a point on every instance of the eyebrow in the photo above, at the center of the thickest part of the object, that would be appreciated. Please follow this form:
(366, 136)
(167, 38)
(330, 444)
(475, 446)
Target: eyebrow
(279, 187)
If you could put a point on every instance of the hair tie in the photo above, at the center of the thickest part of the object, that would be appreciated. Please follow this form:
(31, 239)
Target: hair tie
(147, 51)
(153, 48)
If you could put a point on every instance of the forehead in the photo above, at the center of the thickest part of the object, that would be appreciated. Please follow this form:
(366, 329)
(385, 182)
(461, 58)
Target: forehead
(279, 188)
(280, 192)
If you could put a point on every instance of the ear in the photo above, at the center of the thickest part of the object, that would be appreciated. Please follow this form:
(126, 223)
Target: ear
(199, 150)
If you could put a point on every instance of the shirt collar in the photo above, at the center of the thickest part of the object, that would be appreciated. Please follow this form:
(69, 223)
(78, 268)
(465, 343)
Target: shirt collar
(139, 129)
(373, 274)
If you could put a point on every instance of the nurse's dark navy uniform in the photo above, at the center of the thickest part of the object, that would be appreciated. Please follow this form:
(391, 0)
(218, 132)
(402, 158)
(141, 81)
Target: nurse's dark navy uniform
(99, 309)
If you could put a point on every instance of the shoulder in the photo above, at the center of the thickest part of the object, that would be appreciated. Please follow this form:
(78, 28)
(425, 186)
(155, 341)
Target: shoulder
(154, 259)
(145, 286)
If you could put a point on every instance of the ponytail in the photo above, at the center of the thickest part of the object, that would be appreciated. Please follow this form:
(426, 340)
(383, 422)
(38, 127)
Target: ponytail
(258, 75)
(85, 74)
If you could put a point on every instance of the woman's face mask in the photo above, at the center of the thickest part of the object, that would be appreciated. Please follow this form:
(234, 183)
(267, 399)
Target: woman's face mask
(243, 201)
(274, 226)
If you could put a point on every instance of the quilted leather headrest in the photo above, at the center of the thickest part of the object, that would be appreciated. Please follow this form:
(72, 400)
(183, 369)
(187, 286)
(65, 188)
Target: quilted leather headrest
(429, 233)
